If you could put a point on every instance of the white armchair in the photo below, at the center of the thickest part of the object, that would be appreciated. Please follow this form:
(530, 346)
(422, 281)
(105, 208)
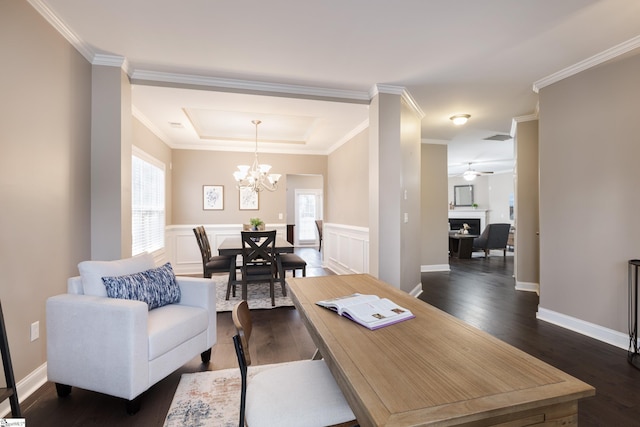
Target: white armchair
(117, 346)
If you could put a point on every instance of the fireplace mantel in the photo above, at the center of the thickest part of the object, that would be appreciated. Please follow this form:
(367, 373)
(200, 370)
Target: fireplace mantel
(480, 214)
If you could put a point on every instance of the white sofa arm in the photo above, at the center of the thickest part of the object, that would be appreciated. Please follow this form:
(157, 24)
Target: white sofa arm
(200, 292)
(98, 343)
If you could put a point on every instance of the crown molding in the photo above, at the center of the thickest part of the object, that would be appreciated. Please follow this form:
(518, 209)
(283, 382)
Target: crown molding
(63, 29)
(149, 125)
(247, 85)
(397, 90)
(111, 61)
(597, 59)
(362, 126)
(521, 119)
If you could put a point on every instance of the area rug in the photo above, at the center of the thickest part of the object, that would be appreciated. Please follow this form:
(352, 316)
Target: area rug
(208, 399)
(257, 295)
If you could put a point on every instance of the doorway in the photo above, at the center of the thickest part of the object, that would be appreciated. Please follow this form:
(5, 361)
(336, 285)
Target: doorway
(308, 208)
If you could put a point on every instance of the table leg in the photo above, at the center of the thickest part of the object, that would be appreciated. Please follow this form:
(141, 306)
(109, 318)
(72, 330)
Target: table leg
(232, 278)
(465, 248)
(280, 275)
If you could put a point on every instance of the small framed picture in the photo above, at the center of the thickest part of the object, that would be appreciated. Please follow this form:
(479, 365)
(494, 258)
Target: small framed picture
(212, 197)
(248, 199)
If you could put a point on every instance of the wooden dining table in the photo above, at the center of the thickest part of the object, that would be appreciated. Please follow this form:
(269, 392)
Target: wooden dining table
(433, 370)
(232, 246)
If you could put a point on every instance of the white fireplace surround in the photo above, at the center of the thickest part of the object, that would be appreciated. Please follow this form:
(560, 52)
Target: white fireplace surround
(480, 214)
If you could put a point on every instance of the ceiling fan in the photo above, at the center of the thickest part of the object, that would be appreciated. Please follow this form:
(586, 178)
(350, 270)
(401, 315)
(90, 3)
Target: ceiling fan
(471, 174)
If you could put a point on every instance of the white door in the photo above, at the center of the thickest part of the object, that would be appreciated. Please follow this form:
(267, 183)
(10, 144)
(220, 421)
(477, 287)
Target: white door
(308, 209)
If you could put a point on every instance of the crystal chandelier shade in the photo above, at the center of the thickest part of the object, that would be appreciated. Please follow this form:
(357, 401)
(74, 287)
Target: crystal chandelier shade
(256, 177)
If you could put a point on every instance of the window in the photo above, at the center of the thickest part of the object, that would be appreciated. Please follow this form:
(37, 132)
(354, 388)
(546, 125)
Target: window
(308, 208)
(147, 203)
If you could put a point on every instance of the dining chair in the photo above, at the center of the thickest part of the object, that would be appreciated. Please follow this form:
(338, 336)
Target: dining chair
(214, 264)
(292, 262)
(319, 227)
(301, 393)
(211, 264)
(259, 263)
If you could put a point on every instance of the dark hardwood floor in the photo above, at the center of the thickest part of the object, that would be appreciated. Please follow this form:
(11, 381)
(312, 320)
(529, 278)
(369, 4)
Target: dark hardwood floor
(479, 291)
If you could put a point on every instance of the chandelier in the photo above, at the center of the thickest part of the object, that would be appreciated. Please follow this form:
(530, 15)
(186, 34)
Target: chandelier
(256, 177)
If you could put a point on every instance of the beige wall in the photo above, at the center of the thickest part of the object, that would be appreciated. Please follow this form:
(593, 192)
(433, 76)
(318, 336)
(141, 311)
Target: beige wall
(348, 183)
(145, 140)
(435, 240)
(44, 173)
(193, 168)
(589, 204)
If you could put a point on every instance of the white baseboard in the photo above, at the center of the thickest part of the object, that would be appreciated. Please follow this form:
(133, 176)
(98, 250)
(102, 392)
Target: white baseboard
(26, 388)
(528, 287)
(434, 267)
(417, 291)
(591, 330)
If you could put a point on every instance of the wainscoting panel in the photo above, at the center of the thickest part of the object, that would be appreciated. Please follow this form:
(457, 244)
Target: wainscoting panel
(182, 249)
(346, 248)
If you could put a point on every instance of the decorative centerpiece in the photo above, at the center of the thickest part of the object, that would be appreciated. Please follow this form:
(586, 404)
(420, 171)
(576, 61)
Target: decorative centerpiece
(465, 228)
(256, 223)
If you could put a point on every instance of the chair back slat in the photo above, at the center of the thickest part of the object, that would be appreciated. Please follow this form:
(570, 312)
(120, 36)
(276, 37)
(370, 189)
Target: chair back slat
(258, 250)
(242, 321)
(240, 353)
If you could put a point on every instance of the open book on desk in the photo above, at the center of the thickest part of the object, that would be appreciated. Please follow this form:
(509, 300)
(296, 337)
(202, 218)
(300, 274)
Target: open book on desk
(370, 311)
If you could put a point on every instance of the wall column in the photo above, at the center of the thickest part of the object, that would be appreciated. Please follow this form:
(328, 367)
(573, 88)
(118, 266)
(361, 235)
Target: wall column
(527, 240)
(111, 139)
(394, 188)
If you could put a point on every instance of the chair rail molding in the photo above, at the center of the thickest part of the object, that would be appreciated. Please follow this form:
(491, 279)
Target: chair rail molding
(346, 248)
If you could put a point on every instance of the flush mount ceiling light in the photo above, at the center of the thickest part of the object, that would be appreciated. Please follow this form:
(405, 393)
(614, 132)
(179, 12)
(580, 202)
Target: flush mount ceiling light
(257, 177)
(459, 119)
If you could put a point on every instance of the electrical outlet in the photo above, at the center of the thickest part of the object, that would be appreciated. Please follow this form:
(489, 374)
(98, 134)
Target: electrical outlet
(35, 331)
(280, 216)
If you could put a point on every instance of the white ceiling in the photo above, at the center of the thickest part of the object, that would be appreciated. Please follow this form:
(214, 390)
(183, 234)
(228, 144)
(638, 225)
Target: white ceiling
(465, 56)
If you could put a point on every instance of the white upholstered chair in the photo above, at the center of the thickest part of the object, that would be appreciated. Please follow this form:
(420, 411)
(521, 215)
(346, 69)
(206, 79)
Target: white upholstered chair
(296, 394)
(119, 346)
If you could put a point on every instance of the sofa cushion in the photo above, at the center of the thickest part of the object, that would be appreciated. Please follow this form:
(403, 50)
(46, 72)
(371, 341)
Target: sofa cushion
(157, 287)
(92, 272)
(172, 325)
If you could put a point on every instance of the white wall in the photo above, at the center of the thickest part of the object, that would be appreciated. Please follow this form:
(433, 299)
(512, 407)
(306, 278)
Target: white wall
(491, 193)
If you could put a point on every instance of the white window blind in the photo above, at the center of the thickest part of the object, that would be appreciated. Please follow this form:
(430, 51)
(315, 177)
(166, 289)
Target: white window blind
(147, 203)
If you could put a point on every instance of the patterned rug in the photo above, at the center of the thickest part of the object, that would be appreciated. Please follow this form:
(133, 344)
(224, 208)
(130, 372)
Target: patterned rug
(208, 399)
(257, 295)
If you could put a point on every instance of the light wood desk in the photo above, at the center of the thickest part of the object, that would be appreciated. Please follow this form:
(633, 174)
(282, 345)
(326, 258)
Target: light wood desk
(431, 370)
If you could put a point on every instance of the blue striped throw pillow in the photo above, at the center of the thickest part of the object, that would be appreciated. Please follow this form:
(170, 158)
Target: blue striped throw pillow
(156, 287)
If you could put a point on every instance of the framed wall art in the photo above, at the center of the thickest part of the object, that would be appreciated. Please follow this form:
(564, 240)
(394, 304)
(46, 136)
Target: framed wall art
(212, 197)
(249, 200)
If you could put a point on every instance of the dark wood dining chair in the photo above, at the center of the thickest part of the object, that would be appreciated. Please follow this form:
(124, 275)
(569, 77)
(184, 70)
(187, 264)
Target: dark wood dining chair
(319, 227)
(259, 263)
(292, 262)
(302, 393)
(214, 264)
